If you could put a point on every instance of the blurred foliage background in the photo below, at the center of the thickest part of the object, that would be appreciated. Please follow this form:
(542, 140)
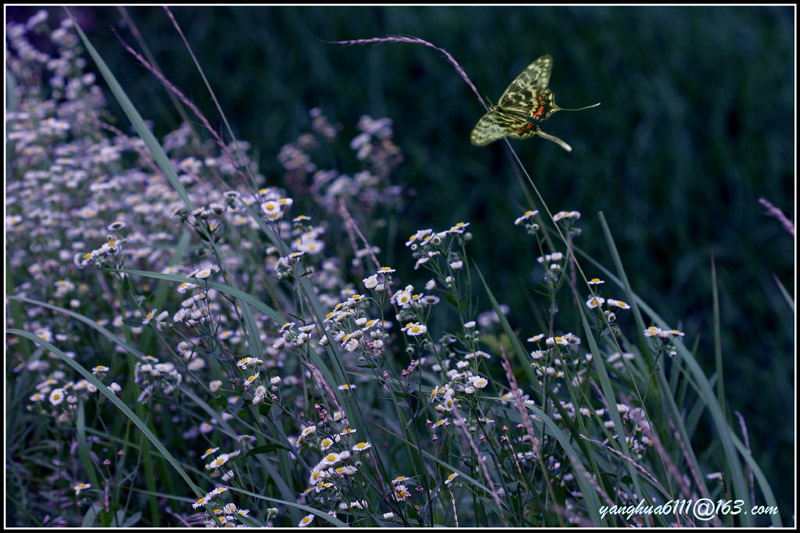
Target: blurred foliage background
(696, 123)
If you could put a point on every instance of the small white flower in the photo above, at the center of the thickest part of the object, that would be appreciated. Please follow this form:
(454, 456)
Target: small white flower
(652, 331)
(330, 460)
(478, 382)
(201, 501)
(526, 216)
(595, 301)
(57, 396)
(209, 452)
(348, 470)
(205, 272)
(618, 303)
(351, 345)
(149, 316)
(78, 487)
(219, 461)
(361, 446)
(401, 493)
(415, 329)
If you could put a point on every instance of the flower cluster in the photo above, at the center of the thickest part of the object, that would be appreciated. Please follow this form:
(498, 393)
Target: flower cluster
(362, 190)
(152, 375)
(351, 326)
(226, 514)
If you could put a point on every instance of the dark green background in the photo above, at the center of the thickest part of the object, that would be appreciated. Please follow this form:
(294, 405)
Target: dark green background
(696, 124)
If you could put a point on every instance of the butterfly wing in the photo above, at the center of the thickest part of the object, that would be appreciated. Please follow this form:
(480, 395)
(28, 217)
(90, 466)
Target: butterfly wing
(497, 124)
(522, 96)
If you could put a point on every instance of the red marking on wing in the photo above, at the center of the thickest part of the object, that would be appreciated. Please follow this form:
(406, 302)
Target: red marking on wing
(540, 110)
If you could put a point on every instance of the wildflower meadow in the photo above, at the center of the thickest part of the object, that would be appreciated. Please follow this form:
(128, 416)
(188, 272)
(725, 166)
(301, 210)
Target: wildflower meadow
(193, 342)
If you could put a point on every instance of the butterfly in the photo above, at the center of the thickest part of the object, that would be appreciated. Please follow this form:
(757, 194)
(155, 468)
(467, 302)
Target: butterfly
(523, 105)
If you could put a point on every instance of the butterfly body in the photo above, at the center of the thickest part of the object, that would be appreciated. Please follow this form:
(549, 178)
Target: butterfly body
(523, 105)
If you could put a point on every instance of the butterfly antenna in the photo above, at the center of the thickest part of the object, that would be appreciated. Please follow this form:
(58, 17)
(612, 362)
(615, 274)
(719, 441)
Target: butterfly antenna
(578, 109)
(556, 140)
